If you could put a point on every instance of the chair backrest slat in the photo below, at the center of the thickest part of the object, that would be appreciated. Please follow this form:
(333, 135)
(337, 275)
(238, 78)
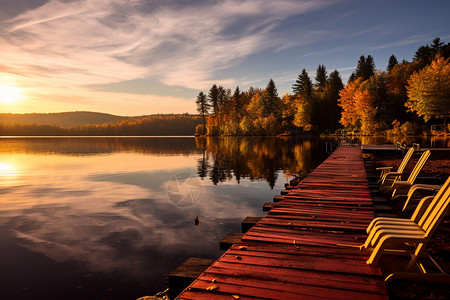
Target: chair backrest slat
(418, 167)
(405, 160)
(437, 209)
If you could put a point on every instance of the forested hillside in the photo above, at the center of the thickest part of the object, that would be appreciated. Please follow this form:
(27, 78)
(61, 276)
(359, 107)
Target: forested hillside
(137, 126)
(63, 119)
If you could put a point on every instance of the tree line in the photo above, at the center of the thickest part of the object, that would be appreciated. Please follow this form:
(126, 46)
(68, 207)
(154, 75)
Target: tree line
(394, 101)
(146, 126)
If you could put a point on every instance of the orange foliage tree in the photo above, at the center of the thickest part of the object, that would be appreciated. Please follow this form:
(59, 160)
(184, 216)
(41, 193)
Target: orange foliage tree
(357, 103)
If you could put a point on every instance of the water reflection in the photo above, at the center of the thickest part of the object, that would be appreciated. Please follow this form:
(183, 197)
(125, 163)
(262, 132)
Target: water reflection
(6, 169)
(99, 145)
(255, 158)
(89, 218)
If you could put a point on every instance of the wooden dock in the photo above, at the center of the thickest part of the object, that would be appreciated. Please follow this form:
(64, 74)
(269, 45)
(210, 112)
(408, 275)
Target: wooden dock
(306, 245)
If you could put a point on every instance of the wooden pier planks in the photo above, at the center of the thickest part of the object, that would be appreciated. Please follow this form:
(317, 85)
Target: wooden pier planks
(306, 246)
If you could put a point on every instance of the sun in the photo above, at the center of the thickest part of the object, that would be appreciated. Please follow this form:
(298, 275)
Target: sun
(9, 94)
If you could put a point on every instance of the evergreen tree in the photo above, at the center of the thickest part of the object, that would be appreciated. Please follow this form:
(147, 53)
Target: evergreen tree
(224, 96)
(365, 67)
(436, 45)
(351, 78)
(425, 54)
(237, 102)
(392, 63)
(202, 105)
(303, 85)
(271, 101)
(213, 98)
(321, 77)
(332, 89)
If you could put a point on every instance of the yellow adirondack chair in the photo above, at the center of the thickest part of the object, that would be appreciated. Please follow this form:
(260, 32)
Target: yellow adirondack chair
(399, 187)
(409, 203)
(387, 177)
(385, 233)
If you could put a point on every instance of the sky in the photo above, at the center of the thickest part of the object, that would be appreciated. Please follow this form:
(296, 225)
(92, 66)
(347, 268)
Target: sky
(141, 57)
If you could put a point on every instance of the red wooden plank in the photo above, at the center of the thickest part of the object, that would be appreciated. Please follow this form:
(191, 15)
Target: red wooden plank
(294, 249)
(317, 224)
(306, 277)
(273, 290)
(295, 277)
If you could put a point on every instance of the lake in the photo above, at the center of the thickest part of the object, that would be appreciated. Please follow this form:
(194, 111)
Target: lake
(109, 218)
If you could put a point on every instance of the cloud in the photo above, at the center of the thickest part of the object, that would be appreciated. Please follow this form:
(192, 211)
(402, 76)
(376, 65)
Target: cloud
(400, 43)
(86, 41)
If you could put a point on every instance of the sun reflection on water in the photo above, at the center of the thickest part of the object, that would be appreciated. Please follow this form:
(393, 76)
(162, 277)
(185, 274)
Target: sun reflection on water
(7, 170)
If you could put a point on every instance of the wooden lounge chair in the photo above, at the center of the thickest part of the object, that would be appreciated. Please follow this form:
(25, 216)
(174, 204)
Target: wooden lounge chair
(409, 203)
(387, 177)
(385, 233)
(399, 187)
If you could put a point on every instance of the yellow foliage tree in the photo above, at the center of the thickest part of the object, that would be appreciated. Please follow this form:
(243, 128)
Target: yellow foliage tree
(303, 113)
(365, 110)
(429, 90)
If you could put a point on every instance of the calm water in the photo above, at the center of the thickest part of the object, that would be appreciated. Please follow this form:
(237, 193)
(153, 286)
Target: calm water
(108, 218)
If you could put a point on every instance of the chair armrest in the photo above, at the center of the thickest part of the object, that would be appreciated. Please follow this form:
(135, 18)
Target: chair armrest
(384, 168)
(426, 187)
(393, 174)
(401, 184)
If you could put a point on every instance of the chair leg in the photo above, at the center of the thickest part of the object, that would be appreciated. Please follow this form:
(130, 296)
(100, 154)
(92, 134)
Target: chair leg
(376, 254)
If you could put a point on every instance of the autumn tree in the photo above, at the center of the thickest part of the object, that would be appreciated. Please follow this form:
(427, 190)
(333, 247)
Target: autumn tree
(397, 80)
(349, 116)
(303, 113)
(429, 90)
(365, 99)
(289, 110)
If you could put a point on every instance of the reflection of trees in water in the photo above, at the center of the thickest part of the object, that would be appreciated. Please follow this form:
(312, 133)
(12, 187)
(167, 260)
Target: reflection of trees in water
(255, 158)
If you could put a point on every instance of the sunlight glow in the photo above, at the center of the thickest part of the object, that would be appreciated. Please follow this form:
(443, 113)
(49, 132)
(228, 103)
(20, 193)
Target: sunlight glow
(9, 94)
(6, 169)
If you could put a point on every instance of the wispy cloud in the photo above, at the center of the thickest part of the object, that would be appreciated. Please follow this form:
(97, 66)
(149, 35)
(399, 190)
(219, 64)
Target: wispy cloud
(403, 42)
(113, 40)
(73, 44)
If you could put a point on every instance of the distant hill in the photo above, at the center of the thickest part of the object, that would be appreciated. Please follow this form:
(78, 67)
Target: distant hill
(63, 119)
(97, 124)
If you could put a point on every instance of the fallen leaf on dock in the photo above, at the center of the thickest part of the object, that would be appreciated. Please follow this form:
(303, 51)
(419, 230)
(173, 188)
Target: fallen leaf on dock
(212, 287)
(214, 280)
(236, 296)
(243, 248)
